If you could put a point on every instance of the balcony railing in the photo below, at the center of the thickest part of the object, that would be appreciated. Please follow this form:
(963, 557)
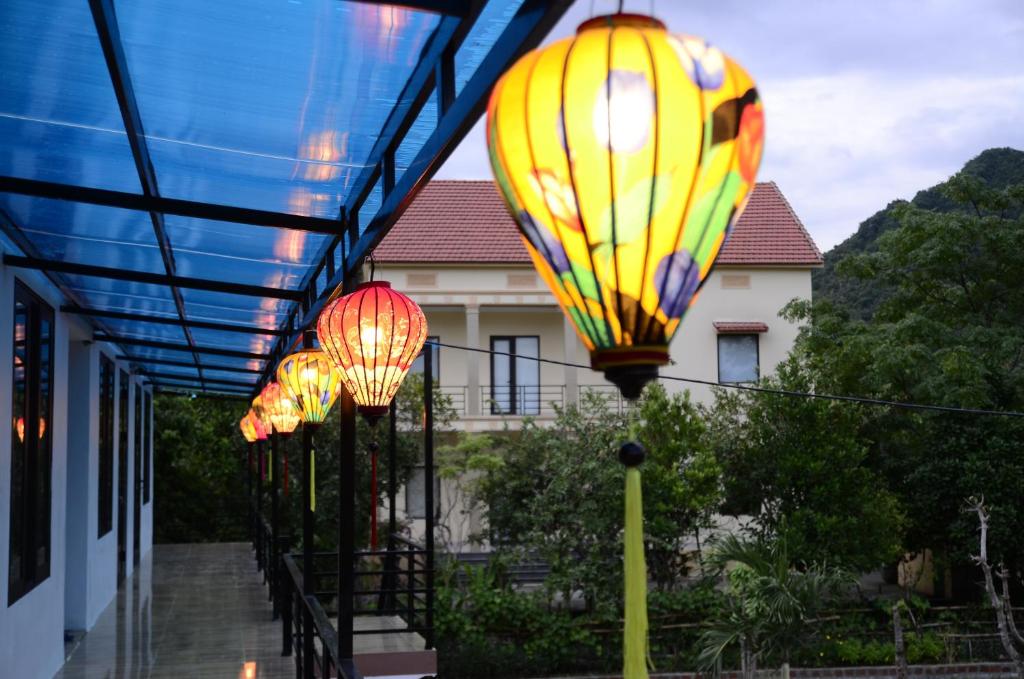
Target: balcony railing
(537, 399)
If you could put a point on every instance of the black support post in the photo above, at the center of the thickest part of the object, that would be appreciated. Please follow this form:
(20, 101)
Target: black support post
(346, 523)
(428, 474)
(249, 498)
(259, 506)
(308, 583)
(275, 519)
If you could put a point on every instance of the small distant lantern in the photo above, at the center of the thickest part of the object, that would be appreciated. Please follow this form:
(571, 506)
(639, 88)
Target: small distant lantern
(257, 425)
(311, 380)
(373, 335)
(280, 408)
(248, 430)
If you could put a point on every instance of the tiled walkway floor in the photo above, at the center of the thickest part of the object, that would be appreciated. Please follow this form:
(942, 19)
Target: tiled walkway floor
(189, 611)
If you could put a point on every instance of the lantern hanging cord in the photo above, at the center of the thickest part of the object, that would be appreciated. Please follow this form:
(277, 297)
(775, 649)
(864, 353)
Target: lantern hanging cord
(764, 390)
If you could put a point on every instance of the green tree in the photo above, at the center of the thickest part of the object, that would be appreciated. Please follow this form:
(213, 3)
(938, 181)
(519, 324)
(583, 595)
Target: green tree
(557, 492)
(199, 464)
(800, 469)
(949, 333)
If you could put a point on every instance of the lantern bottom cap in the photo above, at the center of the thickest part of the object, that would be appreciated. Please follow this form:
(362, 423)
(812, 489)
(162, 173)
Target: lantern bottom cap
(630, 368)
(372, 414)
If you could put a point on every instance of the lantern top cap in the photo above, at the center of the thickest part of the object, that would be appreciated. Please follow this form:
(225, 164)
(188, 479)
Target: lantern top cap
(373, 284)
(621, 19)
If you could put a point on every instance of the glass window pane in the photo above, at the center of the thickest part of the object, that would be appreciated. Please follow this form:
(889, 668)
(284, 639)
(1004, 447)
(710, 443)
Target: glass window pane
(18, 451)
(737, 358)
(106, 447)
(501, 376)
(527, 375)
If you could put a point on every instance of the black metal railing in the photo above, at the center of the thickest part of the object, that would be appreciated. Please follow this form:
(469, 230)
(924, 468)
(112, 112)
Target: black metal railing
(396, 581)
(535, 399)
(307, 633)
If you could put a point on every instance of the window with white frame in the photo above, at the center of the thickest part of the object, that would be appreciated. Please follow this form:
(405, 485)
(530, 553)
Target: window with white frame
(515, 375)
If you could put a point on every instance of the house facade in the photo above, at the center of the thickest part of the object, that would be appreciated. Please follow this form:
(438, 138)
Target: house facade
(458, 254)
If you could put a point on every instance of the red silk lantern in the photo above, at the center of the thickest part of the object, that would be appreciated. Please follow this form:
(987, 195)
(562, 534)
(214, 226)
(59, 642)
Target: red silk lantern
(373, 335)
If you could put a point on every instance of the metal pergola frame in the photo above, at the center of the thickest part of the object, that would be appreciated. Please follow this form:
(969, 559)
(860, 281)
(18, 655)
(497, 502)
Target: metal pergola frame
(456, 114)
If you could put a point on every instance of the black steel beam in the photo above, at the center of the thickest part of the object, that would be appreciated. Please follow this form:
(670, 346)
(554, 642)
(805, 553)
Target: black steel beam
(109, 34)
(185, 378)
(151, 278)
(220, 394)
(140, 360)
(171, 346)
(168, 206)
(166, 320)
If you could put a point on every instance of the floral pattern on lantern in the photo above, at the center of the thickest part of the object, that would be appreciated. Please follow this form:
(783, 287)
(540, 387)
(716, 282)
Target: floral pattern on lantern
(310, 379)
(280, 408)
(373, 335)
(625, 154)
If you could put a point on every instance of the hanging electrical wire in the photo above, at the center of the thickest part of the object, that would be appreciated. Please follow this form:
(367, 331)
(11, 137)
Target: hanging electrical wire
(863, 400)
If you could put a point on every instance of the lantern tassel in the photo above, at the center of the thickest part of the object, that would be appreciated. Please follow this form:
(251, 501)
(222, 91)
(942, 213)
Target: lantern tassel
(270, 465)
(634, 646)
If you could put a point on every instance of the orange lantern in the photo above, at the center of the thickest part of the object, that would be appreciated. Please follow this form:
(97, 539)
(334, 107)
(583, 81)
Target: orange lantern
(373, 335)
(280, 408)
(263, 415)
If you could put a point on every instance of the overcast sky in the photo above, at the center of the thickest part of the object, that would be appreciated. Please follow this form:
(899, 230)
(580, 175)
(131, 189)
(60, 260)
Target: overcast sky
(866, 101)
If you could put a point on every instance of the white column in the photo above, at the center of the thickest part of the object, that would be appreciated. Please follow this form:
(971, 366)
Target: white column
(569, 343)
(473, 360)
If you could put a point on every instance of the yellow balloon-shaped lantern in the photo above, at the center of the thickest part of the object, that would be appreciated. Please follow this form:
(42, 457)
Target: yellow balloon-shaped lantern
(625, 153)
(310, 379)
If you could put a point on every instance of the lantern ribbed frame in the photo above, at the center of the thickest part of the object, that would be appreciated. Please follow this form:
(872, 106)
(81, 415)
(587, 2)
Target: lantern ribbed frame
(625, 154)
(281, 408)
(373, 335)
(311, 380)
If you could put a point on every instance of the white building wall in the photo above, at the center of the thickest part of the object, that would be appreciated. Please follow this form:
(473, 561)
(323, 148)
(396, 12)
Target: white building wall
(32, 628)
(83, 568)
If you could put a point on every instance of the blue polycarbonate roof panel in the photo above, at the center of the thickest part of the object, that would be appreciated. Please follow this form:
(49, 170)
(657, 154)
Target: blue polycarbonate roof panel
(252, 255)
(160, 332)
(251, 104)
(86, 234)
(258, 344)
(493, 19)
(59, 119)
(266, 104)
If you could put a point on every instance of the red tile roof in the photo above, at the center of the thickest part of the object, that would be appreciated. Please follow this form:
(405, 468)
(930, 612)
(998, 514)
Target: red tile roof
(740, 327)
(769, 233)
(466, 222)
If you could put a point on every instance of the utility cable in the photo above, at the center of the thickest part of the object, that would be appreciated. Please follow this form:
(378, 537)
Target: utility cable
(863, 400)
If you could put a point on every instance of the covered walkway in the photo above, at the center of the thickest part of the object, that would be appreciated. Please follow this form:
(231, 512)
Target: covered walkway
(198, 611)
